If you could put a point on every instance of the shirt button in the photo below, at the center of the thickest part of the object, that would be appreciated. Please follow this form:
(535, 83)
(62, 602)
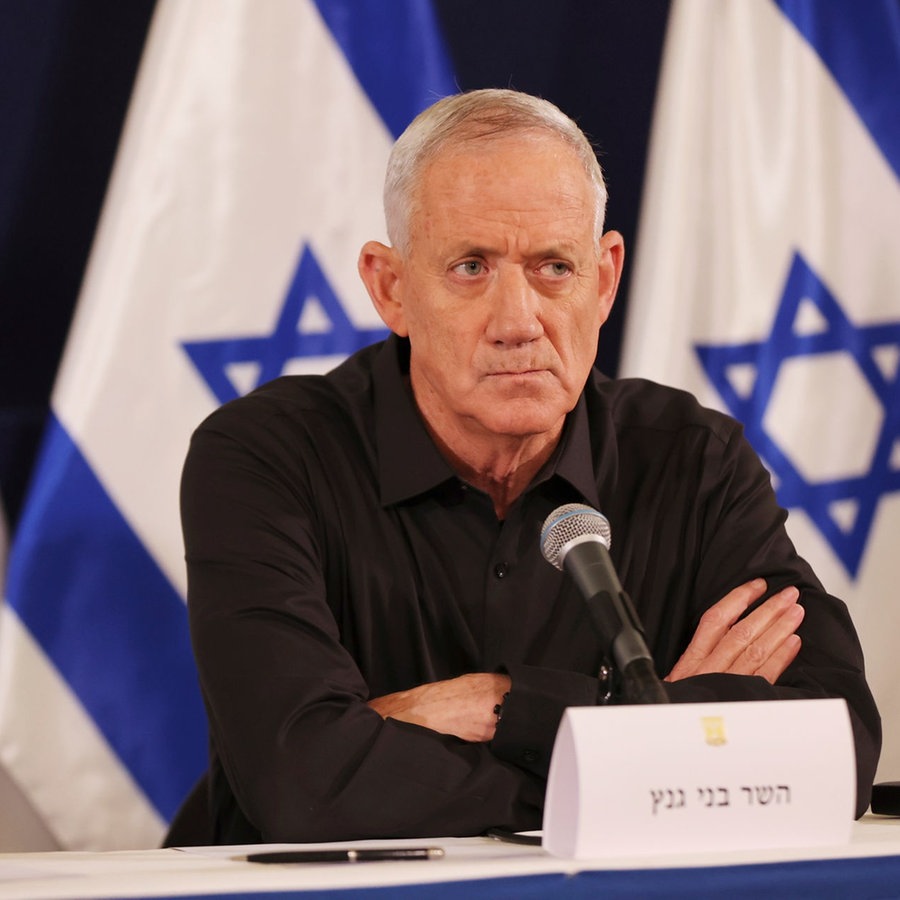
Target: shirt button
(501, 570)
(530, 756)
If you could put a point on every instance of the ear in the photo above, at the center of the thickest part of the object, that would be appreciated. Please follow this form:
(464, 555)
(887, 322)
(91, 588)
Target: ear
(380, 268)
(612, 259)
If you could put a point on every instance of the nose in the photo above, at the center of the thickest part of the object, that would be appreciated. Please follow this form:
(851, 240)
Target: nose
(515, 309)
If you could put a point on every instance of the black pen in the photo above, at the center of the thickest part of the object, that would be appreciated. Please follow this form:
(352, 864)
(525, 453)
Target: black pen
(368, 854)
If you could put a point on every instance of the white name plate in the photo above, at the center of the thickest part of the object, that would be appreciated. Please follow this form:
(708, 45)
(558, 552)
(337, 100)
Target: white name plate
(694, 777)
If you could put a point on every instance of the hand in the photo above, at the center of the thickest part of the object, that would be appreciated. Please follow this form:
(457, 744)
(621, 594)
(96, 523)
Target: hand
(764, 643)
(462, 706)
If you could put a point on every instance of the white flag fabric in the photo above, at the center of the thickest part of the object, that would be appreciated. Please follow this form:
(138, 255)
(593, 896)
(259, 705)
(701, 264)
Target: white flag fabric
(248, 176)
(767, 280)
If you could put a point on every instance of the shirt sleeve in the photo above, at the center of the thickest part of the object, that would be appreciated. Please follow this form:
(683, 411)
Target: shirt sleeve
(742, 536)
(739, 534)
(304, 756)
(532, 712)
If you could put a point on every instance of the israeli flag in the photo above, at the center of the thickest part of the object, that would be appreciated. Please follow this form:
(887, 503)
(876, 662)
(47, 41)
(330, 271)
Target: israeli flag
(768, 274)
(248, 177)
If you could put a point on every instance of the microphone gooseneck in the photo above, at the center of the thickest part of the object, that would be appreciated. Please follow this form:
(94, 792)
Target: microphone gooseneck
(575, 538)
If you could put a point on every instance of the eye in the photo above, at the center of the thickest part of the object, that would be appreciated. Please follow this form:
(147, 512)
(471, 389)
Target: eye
(555, 269)
(469, 267)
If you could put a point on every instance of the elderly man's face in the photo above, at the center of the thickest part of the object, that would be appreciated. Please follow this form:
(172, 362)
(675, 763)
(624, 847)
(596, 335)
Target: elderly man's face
(505, 288)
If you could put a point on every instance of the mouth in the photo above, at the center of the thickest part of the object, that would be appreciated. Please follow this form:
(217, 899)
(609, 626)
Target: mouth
(515, 367)
(521, 375)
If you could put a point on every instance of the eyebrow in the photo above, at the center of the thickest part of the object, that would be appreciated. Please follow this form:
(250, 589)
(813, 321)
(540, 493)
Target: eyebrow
(561, 249)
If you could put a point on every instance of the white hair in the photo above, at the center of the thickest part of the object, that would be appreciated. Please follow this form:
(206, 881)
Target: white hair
(487, 114)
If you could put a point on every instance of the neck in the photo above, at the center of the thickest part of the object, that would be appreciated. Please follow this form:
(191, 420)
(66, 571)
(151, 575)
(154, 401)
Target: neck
(501, 468)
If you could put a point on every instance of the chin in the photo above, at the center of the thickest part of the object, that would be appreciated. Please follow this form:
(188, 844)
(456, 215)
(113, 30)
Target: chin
(517, 418)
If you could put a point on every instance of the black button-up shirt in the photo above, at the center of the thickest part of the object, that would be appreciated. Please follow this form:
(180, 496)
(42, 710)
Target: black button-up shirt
(334, 555)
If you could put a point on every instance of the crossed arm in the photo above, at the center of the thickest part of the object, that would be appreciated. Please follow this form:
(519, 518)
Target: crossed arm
(763, 643)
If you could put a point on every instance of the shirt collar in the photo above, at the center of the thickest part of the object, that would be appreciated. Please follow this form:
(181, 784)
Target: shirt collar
(574, 460)
(409, 463)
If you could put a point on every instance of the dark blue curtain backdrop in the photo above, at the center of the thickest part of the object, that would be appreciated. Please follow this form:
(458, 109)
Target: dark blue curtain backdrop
(66, 73)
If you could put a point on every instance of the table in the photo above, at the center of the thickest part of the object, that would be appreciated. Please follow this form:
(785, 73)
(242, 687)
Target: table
(473, 868)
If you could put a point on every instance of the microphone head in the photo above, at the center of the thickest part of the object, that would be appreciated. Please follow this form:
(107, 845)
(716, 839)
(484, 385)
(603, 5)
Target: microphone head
(569, 523)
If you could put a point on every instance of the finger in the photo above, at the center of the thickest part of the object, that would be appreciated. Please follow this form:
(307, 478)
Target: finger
(744, 640)
(775, 665)
(716, 621)
(748, 643)
(713, 627)
(761, 649)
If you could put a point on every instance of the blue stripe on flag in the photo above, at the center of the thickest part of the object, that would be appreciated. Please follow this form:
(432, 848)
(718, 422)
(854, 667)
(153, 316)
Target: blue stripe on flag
(110, 621)
(396, 51)
(860, 45)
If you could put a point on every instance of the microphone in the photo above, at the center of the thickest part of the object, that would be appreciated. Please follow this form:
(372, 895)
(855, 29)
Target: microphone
(575, 538)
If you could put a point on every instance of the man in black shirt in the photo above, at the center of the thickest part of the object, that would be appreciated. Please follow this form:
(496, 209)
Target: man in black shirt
(366, 586)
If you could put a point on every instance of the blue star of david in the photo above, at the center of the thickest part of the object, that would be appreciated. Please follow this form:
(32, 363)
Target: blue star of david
(838, 334)
(273, 352)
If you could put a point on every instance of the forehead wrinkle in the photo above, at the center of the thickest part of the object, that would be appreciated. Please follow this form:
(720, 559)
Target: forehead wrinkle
(493, 231)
